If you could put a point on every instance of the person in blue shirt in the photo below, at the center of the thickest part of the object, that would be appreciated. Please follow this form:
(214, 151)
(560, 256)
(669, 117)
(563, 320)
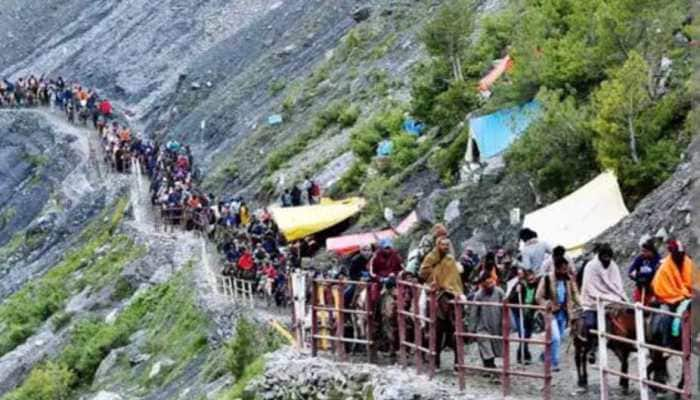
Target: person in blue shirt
(642, 271)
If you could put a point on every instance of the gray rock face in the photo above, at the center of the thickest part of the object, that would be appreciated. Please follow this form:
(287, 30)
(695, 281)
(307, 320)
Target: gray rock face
(48, 191)
(160, 367)
(452, 211)
(15, 365)
(673, 207)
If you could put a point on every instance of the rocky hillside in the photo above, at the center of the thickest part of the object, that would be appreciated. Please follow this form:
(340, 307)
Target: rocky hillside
(96, 304)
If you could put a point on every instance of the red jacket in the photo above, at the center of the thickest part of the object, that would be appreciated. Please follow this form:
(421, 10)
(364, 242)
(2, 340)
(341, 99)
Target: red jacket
(386, 262)
(105, 107)
(270, 272)
(246, 261)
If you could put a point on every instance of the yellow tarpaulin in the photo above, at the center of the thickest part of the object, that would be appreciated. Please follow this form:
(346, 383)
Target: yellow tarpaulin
(581, 216)
(299, 222)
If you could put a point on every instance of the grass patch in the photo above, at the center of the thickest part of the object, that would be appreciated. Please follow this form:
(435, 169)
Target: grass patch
(341, 113)
(6, 216)
(176, 329)
(244, 356)
(277, 86)
(27, 309)
(238, 391)
(49, 382)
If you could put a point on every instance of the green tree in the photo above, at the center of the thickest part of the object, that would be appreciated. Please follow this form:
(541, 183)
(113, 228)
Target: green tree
(244, 348)
(645, 26)
(552, 46)
(634, 132)
(619, 103)
(557, 150)
(447, 35)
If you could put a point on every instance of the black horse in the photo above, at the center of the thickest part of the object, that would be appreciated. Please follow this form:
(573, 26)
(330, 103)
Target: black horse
(661, 336)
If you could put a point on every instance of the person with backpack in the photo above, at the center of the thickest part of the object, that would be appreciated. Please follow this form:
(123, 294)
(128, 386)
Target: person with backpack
(558, 291)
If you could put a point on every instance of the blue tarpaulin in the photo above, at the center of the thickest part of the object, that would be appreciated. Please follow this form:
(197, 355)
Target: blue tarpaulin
(385, 148)
(413, 127)
(274, 119)
(493, 133)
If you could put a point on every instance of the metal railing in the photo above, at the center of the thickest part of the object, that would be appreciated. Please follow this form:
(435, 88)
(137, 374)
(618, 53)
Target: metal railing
(238, 290)
(329, 313)
(505, 370)
(421, 323)
(643, 348)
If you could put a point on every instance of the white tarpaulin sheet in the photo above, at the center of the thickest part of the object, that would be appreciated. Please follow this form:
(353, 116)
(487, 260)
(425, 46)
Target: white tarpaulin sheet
(581, 216)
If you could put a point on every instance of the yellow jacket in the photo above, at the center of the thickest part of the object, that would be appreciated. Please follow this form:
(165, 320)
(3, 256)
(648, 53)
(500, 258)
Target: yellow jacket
(443, 271)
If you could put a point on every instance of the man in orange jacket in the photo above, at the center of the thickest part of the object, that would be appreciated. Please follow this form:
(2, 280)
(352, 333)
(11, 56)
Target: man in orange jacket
(673, 281)
(673, 287)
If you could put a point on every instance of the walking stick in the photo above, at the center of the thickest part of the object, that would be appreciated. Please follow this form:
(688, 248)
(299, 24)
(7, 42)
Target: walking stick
(521, 326)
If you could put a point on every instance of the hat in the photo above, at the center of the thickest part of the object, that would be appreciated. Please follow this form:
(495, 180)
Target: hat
(439, 230)
(386, 244)
(675, 246)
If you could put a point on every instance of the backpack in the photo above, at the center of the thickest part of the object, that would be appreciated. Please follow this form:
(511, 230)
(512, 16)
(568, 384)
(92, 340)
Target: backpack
(315, 190)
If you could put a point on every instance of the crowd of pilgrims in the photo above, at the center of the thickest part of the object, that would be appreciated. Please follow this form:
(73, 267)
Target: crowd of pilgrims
(253, 248)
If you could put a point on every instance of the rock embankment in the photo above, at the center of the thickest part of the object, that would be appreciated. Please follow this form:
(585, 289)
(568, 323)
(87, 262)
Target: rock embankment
(292, 375)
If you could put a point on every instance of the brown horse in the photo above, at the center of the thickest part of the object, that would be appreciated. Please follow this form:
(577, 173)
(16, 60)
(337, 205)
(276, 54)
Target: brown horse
(620, 322)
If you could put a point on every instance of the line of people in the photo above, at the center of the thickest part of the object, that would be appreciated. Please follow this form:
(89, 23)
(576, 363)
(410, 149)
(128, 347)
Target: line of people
(74, 99)
(539, 275)
(253, 248)
(250, 243)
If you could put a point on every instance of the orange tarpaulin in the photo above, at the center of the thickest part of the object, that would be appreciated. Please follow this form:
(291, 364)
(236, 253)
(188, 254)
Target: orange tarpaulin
(503, 66)
(348, 244)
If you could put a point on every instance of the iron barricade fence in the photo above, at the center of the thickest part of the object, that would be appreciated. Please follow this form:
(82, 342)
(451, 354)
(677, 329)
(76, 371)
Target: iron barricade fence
(172, 217)
(329, 314)
(643, 349)
(424, 324)
(239, 290)
(505, 370)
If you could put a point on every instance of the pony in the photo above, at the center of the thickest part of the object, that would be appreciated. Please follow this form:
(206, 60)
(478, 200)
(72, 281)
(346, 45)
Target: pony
(620, 322)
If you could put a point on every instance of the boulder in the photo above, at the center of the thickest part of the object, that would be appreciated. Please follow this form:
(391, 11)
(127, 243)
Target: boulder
(452, 211)
(161, 366)
(104, 395)
(361, 14)
(107, 366)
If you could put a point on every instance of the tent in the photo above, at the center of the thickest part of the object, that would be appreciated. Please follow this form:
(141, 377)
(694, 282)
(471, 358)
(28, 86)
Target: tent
(413, 127)
(580, 217)
(494, 132)
(502, 66)
(385, 148)
(298, 222)
(348, 244)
